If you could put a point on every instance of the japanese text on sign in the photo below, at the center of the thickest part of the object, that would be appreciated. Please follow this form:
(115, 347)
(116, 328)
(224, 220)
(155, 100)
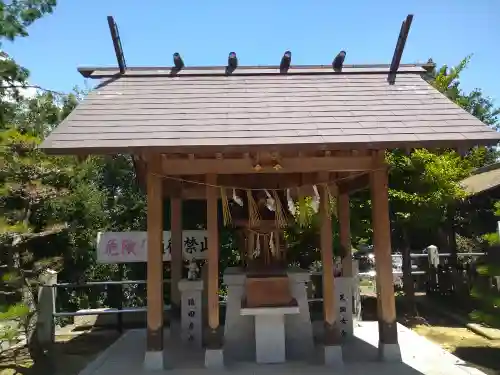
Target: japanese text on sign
(344, 304)
(125, 247)
(191, 314)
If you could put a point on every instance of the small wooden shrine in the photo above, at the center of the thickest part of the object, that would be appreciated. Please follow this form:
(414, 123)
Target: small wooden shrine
(199, 132)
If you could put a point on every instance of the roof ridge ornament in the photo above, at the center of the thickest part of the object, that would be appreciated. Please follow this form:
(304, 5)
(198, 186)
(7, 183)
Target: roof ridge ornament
(232, 63)
(398, 51)
(338, 62)
(286, 60)
(178, 62)
(117, 44)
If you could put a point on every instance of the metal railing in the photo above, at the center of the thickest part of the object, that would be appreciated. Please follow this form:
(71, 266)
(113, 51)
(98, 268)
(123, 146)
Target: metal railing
(87, 312)
(120, 311)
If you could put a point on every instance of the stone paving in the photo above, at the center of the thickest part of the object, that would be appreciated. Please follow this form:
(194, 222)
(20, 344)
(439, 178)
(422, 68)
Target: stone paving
(419, 356)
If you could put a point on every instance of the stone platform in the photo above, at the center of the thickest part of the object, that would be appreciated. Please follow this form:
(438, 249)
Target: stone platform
(419, 356)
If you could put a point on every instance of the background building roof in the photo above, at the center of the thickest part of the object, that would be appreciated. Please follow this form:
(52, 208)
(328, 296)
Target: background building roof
(482, 180)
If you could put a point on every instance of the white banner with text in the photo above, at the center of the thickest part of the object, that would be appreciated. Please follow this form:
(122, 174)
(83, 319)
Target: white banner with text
(129, 247)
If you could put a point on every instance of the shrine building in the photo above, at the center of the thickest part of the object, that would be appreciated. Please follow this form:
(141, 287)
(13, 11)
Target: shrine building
(252, 141)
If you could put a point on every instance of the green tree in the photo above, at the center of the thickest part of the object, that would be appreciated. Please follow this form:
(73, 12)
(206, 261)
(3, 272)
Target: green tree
(485, 293)
(15, 18)
(29, 184)
(425, 185)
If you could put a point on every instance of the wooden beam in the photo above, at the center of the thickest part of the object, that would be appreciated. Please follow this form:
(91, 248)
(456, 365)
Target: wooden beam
(354, 184)
(213, 262)
(382, 245)
(117, 44)
(176, 251)
(326, 241)
(186, 166)
(155, 256)
(398, 51)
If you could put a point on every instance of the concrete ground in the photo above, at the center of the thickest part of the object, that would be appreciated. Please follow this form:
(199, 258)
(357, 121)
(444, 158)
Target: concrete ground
(419, 356)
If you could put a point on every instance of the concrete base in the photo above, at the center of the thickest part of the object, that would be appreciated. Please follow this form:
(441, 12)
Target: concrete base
(214, 359)
(333, 355)
(153, 361)
(270, 338)
(270, 332)
(389, 352)
(298, 327)
(420, 357)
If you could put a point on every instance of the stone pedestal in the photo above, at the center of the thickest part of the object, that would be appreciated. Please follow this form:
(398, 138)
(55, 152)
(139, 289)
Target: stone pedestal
(270, 332)
(191, 311)
(344, 304)
(239, 334)
(240, 330)
(46, 307)
(298, 327)
(356, 295)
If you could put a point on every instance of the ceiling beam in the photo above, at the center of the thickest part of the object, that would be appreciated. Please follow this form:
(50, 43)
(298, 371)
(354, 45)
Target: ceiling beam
(117, 44)
(354, 184)
(398, 51)
(176, 167)
(199, 192)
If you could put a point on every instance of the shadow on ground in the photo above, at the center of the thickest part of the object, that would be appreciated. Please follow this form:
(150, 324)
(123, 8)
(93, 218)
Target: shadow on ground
(484, 358)
(421, 314)
(67, 356)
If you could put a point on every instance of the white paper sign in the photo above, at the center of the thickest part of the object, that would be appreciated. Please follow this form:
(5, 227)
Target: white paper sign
(129, 247)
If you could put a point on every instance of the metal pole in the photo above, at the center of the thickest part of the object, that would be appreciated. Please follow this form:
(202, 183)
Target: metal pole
(121, 271)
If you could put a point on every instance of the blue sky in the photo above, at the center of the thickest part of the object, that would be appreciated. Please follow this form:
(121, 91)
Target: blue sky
(204, 32)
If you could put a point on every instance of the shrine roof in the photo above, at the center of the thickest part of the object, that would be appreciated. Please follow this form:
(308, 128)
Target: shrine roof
(203, 108)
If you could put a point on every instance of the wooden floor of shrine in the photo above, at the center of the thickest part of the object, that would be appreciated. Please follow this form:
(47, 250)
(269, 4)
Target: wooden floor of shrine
(419, 356)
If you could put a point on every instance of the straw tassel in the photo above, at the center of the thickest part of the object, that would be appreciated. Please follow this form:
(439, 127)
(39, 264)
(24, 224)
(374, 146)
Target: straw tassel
(226, 213)
(290, 203)
(256, 251)
(253, 210)
(279, 212)
(332, 201)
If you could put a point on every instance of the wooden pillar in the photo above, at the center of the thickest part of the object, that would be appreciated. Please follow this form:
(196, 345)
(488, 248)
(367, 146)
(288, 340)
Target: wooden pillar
(344, 216)
(213, 340)
(176, 263)
(154, 351)
(326, 238)
(388, 333)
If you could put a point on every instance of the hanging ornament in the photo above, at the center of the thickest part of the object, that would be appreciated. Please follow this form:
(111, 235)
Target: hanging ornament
(303, 217)
(291, 204)
(253, 210)
(226, 212)
(270, 203)
(272, 247)
(332, 202)
(237, 199)
(256, 251)
(315, 200)
(279, 215)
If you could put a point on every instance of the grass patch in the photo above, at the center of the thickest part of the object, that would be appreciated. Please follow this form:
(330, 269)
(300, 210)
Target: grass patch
(478, 351)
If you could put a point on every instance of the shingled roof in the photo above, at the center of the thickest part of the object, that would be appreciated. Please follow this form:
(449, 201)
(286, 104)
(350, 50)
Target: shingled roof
(257, 106)
(482, 180)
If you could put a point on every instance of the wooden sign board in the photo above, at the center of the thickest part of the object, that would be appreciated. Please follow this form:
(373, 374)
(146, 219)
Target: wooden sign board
(131, 247)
